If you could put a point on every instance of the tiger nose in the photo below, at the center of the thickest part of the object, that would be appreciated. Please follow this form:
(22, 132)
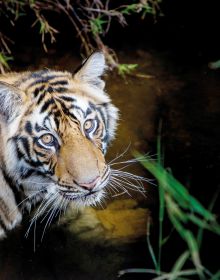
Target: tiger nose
(90, 185)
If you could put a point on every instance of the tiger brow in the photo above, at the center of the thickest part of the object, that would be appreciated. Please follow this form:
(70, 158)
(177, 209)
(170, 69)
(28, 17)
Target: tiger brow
(39, 128)
(44, 79)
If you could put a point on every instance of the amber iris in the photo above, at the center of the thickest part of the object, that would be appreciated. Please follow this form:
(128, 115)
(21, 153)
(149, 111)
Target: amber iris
(47, 139)
(89, 125)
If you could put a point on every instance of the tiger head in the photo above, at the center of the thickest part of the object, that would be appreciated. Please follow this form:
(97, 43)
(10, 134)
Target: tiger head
(55, 129)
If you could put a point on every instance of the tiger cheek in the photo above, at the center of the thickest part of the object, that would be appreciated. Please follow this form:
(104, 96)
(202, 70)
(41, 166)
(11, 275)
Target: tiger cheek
(46, 157)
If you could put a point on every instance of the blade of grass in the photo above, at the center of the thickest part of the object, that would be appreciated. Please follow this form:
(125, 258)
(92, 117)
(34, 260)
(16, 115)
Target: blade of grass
(150, 248)
(210, 208)
(136, 270)
(189, 238)
(216, 276)
(176, 189)
(161, 199)
(165, 239)
(179, 264)
(182, 209)
(187, 272)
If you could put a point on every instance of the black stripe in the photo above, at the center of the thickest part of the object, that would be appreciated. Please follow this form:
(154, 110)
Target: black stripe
(20, 155)
(56, 119)
(47, 119)
(88, 111)
(67, 110)
(12, 186)
(28, 127)
(60, 89)
(106, 138)
(56, 89)
(33, 163)
(47, 104)
(67, 98)
(61, 82)
(26, 173)
(41, 97)
(102, 116)
(39, 154)
(34, 75)
(38, 128)
(38, 90)
(26, 145)
(43, 79)
(50, 89)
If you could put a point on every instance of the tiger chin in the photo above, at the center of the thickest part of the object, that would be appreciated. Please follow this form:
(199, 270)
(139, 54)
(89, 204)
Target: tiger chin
(55, 128)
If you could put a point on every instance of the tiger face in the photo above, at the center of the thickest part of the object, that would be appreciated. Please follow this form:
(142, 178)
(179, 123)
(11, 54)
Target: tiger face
(55, 129)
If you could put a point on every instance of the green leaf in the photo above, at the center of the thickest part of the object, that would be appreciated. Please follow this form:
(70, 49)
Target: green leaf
(124, 69)
(216, 276)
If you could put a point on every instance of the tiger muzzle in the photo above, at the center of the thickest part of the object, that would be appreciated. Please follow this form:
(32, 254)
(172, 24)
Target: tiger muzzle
(80, 163)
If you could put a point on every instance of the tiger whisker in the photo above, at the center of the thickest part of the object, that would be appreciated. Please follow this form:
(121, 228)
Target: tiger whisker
(50, 218)
(121, 187)
(124, 187)
(112, 188)
(120, 155)
(129, 175)
(129, 185)
(41, 209)
(119, 194)
(136, 185)
(135, 160)
(129, 180)
(123, 177)
(26, 198)
(56, 197)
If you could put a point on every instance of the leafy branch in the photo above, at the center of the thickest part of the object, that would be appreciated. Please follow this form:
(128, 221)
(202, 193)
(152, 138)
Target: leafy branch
(90, 19)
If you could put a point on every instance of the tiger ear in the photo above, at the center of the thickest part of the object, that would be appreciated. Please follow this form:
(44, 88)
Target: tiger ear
(92, 69)
(10, 101)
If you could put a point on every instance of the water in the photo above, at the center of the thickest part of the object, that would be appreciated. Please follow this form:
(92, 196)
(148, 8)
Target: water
(96, 244)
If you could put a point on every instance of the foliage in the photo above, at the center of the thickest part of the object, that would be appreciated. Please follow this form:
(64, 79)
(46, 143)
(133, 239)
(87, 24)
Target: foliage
(90, 19)
(4, 61)
(186, 214)
(124, 69)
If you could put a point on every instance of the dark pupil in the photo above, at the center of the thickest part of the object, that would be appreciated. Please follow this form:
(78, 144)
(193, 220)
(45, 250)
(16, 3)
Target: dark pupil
(48, 139)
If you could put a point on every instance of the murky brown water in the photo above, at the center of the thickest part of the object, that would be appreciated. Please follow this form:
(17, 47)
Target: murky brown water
(96, 244)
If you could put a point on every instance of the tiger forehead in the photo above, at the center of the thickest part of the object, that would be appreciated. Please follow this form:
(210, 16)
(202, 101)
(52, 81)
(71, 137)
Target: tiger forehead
(60, 112)
(43, 77)
(37, 84)
(59, 124)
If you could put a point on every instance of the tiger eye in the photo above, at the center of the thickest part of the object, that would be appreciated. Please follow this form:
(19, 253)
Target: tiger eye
(47, 139)
(89, 125)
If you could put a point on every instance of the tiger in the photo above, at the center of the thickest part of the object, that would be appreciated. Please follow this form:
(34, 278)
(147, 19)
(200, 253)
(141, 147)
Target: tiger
(55, 128)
